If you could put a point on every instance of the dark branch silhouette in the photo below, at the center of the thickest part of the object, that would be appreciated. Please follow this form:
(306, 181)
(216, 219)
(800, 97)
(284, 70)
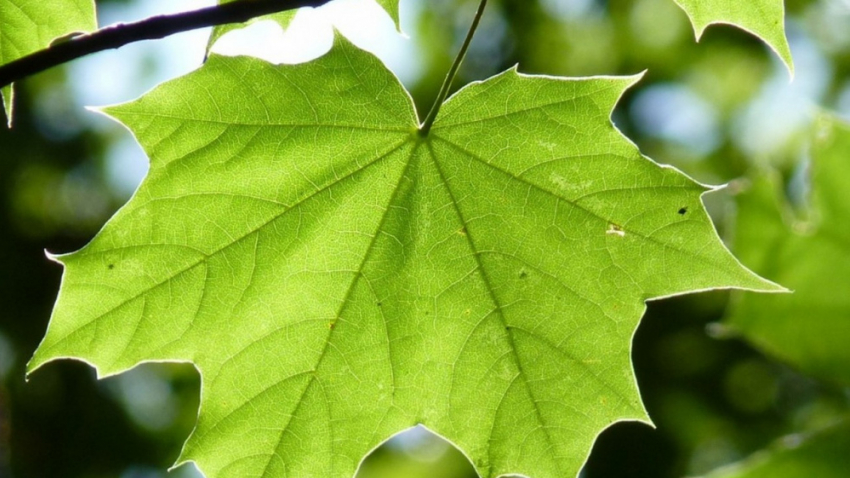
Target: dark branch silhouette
(152, 28)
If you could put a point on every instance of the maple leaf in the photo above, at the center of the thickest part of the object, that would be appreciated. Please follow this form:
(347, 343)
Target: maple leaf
(337, 276)
(809, 329)
(29, 25)
(763, 18)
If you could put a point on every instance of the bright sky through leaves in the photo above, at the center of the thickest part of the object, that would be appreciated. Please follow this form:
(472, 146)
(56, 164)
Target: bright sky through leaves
(337, 278)
(285, 18)
(29, 25)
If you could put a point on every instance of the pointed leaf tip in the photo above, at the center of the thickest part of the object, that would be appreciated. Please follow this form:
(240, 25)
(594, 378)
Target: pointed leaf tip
(763, 18)
(392, 9)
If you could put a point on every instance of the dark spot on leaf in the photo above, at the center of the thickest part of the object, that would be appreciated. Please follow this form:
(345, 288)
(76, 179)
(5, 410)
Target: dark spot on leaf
(379, 304)
(523, 274)
(683, 210)
(111, 266)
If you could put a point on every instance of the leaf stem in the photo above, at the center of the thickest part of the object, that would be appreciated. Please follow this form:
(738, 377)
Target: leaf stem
(152, 28)
(425, 127)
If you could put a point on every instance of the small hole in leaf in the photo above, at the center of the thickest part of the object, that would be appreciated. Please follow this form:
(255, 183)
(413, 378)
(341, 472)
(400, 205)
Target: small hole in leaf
(615, 230)
(683, 210)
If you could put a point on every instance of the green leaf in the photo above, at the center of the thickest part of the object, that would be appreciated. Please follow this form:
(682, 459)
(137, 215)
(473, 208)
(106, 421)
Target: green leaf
(810, 328)
(763, 18)
(822, 454)
(285, 18)
(30, 25)
(391, 6)
(337, 278)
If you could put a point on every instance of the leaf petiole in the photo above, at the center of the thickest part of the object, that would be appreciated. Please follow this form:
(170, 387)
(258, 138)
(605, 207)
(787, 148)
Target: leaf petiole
(425, 127)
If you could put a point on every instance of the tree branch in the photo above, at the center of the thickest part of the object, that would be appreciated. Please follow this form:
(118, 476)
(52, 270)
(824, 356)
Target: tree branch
(153, 28)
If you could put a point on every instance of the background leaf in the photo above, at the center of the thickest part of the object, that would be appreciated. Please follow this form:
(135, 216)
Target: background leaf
(337, 278)
(29, 25)
(391, 6)
(810, 328)
(822, 454)
(763, 18)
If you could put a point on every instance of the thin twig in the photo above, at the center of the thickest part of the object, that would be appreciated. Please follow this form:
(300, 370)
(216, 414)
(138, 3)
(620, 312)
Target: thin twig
(450, 76)
(152, 28)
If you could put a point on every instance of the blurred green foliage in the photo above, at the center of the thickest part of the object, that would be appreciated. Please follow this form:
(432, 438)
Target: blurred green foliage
(717, 109)
(806, 249)
(822, 453)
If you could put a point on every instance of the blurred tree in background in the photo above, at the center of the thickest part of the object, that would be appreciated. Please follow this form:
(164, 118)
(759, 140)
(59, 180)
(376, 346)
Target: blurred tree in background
(717, 109)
